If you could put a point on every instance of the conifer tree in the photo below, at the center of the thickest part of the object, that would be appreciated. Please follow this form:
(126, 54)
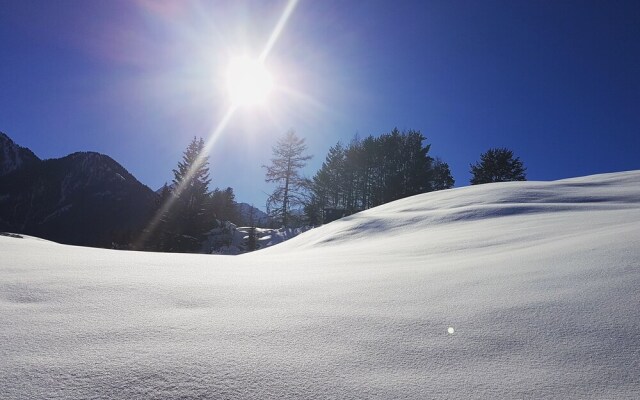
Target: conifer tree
(190, 216)
(291, 188)
(224, 206)
(160, 238)
(497, 165)
(441, 177)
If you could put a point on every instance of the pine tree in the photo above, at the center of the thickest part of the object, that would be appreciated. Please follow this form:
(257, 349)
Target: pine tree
(327, 186)
(224, 206)
(284, 171)
(497, 165)
(190, 216)
(441, 177)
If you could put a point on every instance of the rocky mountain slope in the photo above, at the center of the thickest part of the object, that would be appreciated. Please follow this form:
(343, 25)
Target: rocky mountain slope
(84, 198)
(13, 157)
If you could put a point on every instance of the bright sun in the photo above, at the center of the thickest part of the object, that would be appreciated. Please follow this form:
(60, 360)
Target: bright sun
(248, 81)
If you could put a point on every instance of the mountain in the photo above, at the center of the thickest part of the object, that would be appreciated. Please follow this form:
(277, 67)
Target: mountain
(518, 290)
(85, 198)
(13, 157)
(249, 213)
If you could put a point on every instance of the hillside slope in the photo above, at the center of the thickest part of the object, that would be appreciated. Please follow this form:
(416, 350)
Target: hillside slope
(469, 208)
(13, 157)
(84, 198)
(538, 281)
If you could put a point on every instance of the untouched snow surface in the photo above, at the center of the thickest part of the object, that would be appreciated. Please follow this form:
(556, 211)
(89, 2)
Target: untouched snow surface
(539, 281)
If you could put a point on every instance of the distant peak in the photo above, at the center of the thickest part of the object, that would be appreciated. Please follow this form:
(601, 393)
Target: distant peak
(93, 158)
(5, 138)
(12, 156)
(87, 154)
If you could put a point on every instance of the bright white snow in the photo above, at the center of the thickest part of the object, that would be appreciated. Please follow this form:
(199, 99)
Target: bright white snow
(514, 290)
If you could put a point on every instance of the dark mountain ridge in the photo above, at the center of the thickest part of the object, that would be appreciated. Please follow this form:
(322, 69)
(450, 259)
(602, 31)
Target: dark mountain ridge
(85, 198)
(13, 157)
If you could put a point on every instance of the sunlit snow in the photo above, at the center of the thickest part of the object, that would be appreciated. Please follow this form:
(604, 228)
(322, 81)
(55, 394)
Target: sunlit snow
(511, 290)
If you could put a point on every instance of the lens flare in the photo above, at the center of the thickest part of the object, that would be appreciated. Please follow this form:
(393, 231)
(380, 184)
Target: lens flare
(248, 81)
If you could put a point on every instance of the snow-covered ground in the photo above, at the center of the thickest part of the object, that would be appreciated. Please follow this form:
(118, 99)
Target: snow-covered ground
(538, 281)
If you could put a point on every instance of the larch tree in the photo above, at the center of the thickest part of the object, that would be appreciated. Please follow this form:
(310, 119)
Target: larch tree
(291, 188)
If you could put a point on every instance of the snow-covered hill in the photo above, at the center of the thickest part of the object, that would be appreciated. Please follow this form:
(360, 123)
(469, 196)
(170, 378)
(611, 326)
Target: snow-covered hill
(514, 290)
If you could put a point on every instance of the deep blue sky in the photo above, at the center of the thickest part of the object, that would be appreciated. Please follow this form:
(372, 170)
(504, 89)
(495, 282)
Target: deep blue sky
(556, 81)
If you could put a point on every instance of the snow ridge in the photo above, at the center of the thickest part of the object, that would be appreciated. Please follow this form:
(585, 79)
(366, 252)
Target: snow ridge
(605, 192)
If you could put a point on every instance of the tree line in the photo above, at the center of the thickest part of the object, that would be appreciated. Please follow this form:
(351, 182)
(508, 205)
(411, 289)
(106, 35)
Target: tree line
(367, 173)
(374, 171)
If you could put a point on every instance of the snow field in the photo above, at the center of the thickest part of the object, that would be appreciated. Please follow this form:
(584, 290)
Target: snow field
(539, 281)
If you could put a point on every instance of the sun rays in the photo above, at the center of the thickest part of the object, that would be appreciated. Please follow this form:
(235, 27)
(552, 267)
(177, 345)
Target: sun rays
(248, 83)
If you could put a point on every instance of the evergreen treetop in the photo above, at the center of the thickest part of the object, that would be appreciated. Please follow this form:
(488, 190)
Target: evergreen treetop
(497, 165)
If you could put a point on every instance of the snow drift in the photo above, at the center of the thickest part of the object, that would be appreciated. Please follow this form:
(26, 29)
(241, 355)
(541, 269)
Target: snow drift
(539, 282)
